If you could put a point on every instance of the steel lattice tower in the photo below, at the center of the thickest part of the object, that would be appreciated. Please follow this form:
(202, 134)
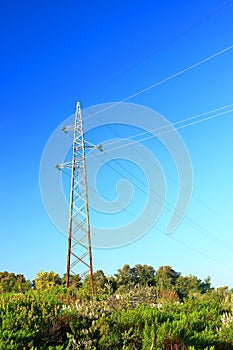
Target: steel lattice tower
(79, 255)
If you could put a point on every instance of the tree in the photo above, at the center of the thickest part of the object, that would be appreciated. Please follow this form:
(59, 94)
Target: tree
(206, 285)
(100, 282)
(9, 282)
(126, 277)
(166, 278)
(46, 280)
(145, 275)
(187, 286)
(221, 295)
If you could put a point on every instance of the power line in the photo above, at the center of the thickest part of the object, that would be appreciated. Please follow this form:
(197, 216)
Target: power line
(193, 249)
(145, 222)
(165, 132)
(186, 218)
(158, 198)
(180, 35)
(168, 79)
(159, 230)
(175, 75)
(169, 126)
(189, 220)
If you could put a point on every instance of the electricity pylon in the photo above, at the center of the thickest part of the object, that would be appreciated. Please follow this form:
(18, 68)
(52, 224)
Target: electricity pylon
(79, 254)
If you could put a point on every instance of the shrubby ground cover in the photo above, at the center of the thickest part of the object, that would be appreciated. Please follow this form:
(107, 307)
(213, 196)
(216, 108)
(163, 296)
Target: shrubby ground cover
(137, 308)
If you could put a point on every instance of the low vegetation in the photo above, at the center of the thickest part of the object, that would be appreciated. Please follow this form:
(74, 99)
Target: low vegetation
(137, 308)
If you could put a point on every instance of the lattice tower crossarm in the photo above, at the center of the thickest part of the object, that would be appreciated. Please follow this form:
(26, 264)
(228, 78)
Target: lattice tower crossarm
(79, 255)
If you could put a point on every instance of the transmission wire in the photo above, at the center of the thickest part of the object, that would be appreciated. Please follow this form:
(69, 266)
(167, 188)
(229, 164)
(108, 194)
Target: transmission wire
(163, 81)
(169, 126)
(165, 132)
(149, 225)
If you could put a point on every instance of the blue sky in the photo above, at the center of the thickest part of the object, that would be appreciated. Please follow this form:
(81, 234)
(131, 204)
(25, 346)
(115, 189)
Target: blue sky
(55, 53)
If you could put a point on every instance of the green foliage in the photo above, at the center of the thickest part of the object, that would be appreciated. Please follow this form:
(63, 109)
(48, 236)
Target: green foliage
(125, 278)
(9, 282)
(46, 280)
(188, 286)
(148, 338)
(30, 319)
(101, 282)
(129, 312)
(74, 281)
(166, 278)
(128, 277)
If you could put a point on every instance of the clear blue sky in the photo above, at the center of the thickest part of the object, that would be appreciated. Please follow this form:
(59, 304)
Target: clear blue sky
(54, 53)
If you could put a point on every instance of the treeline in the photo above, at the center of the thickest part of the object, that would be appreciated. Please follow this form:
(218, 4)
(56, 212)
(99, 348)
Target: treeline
(136, 308)
(165, 281)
